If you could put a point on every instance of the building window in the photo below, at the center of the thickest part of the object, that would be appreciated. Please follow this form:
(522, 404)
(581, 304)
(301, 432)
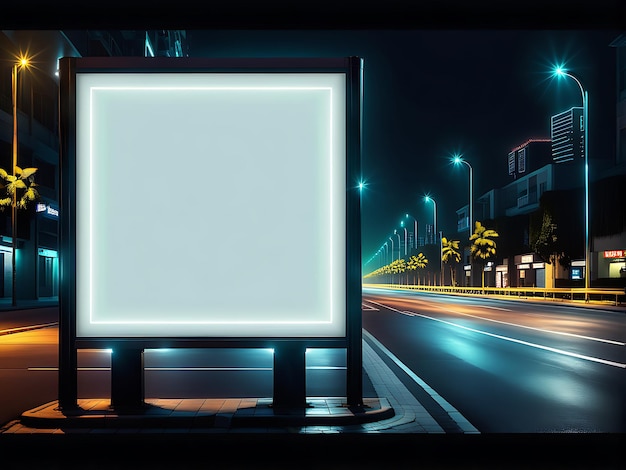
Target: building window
(521, 160)
(511, 163)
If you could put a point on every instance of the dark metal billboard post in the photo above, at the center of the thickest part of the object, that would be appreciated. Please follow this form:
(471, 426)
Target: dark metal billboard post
(289, 375)
(127, 368)
(354, 351)
(68, 357)
(127, 378)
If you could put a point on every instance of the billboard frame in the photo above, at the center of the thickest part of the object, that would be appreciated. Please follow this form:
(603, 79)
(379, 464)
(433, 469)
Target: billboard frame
(133, 346)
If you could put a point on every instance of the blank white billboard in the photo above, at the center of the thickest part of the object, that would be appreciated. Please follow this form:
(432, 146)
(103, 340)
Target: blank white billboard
(210, 205)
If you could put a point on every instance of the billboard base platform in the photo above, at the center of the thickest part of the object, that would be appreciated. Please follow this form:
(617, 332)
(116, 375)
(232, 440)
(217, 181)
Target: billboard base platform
(200, 413)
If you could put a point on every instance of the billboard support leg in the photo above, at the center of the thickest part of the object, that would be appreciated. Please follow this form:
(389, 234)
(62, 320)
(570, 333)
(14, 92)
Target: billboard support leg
(127, 384)
(290, 375)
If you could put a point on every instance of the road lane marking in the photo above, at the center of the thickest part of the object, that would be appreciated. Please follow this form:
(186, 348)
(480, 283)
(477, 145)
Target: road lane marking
(590, 338)
(454, 414)
(574, 335)
(519, 341)
(497, 308)
(21, 329)
(367, 307)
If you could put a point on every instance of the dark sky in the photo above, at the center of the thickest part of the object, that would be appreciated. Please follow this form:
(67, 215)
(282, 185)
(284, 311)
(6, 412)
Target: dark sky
(440, 77)
(431, 93)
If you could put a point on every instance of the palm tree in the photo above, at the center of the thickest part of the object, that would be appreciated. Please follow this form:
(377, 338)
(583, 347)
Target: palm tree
(416, 262)
(19, 191)
(450, 255)
(397, 267)
(483, 246)
(22, 182)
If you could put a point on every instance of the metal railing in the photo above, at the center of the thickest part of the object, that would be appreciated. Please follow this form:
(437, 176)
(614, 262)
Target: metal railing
(613, 296)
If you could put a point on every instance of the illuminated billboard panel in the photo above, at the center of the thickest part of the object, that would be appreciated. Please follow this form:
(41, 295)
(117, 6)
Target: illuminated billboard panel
(210, 204)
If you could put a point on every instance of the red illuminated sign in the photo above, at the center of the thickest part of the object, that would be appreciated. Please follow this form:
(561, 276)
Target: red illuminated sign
(614, 253)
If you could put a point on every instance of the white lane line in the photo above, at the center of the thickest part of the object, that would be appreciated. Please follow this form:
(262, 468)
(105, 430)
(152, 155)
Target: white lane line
(368, 307)
(20, 329)
(563, 333)
(590, 338)
(496, 308)
(457, 417)
(519, 341)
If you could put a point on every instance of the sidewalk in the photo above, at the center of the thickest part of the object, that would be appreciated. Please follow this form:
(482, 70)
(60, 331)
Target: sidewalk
(393, 409)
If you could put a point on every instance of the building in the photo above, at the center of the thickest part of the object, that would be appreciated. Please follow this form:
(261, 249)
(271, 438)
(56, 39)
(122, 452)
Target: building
(527, 157)
(568, 136)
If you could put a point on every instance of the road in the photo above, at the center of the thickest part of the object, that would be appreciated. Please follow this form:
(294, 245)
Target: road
(506, 366)
(29, 369)
(509, 366)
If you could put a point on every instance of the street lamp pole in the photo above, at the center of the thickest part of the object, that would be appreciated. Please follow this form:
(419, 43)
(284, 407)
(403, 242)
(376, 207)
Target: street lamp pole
(395, 232)
(430, 199)
(585, 97)
(458, 159)
(405, 236)
(414, 232)
(23, 62)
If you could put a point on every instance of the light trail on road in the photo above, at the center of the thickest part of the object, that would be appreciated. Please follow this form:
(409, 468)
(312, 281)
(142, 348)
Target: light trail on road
(506, 338)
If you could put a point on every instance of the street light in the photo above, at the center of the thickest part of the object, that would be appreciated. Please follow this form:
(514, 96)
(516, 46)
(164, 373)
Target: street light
(405, 235)
(395, 232)
(427, 198)
(391, 257)
(457, 159)
(415, 230)
(560, 72)
(20, 64)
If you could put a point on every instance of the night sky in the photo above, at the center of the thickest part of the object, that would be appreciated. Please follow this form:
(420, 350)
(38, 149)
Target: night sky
(440, 78)
(431, 93)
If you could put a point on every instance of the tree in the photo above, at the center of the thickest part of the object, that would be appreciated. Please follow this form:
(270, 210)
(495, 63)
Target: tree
(546, 243)
(18, 192)
(397, 267)
(450, 255)
(417, 262)
(483, 246)
(22, 182)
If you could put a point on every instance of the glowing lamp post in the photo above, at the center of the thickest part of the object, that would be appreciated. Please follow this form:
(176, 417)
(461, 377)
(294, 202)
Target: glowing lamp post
(414, 230)
(560, 72)
(430, 199)
(457, 160)
(395, 232)
(405, 236)
(22, 63)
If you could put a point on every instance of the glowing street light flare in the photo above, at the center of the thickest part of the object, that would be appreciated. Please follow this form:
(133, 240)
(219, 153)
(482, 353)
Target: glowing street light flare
(457, 160)
(559, 71)
(21, 63)
(415, 230)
